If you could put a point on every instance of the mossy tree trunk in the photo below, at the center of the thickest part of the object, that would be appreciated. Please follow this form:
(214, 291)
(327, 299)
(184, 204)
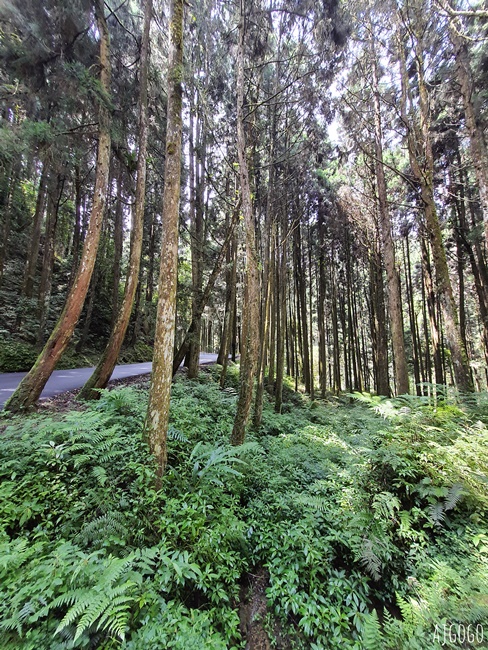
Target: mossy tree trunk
(156, 426)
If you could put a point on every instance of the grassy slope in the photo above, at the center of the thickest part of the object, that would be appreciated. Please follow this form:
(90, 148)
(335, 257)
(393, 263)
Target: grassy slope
(359, 518)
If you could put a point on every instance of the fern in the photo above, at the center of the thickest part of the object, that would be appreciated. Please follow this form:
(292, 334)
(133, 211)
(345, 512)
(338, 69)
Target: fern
(372, 635)
(105, 606)
(175, 434)
(98, 530)
(437, 512)
(369, 559)
(210, 464)
(316, 502)
(385, 505)
(453, 497)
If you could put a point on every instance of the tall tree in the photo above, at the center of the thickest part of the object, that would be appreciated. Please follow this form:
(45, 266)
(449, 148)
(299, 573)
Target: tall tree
(250, 312)
(394, 295)
(156, 426)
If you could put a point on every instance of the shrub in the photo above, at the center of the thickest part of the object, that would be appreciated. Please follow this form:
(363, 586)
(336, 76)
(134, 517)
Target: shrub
(16, 356)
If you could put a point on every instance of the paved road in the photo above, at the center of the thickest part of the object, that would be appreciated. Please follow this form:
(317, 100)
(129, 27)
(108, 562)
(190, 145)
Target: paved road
(63, 380)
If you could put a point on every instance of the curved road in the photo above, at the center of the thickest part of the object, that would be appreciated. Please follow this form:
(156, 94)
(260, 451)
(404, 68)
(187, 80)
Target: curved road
(64, 380)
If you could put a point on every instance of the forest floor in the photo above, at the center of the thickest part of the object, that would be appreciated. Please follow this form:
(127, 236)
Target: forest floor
(354, 523)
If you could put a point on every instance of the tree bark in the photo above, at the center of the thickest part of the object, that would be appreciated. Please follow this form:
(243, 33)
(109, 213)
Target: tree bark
(250, 310)
(7, 215)
(118, 244)
(231, 316)
(280, 317)
(321, 324)
(156, 426)
(54, 198)
(388, 247)
(196, 230)
(31, 386)
(204, 298)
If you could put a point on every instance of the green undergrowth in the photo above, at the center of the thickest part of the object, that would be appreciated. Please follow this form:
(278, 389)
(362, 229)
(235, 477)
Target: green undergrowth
(20, 356)
(368, 515)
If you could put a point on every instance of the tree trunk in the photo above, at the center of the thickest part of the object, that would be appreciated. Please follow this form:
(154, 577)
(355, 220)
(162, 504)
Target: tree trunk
(7, 215)
(433, 321)
(54, 198)
(92, 292)
(205, 296)
(156, 426)
(417, 357)
(228, 294)
(335, 333)
(197, 171)
(321, 324)
(31, 386)
(379, 332)
(229, 334)
(250, 310)
(302, 308)
(105, 366)
(274, 270)
(33, 254)
(388, 247)
(280, 319)
(118, 244)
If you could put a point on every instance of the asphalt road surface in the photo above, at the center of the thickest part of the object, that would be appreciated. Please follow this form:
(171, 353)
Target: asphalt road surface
(64, 380)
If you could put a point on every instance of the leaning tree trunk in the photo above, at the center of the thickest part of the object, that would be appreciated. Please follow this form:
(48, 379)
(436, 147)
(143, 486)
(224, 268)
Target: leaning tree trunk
(105, 367)
(250, 312)
(157, 417)
(31, 386)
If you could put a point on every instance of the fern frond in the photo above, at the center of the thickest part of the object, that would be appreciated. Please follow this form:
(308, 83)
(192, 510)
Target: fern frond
(436, 512)
(100, 474)
(316, 502)
(453, 497)
(176, 434)
(372, 635)
(370, 560)
(97, 530)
